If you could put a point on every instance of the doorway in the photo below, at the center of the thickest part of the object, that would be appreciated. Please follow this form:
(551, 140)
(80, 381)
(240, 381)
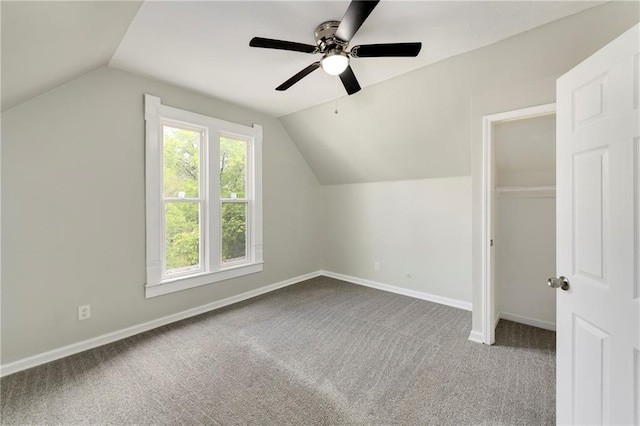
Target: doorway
(518, 218)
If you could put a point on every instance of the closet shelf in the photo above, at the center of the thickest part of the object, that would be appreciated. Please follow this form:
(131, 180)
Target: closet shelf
(546, 191)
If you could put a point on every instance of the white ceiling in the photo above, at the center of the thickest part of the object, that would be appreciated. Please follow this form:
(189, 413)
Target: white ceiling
(204, 45)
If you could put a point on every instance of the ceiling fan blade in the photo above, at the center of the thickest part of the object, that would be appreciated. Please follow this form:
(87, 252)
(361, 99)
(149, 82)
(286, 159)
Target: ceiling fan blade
(269, 43)
(350, 81)
(354, 17)
(390, 49)
(296, 78)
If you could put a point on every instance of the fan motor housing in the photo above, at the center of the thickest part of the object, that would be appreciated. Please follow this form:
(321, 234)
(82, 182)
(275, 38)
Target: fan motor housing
(325, 37)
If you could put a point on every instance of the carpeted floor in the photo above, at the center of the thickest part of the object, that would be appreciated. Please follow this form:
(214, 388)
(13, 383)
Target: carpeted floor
(322, 352)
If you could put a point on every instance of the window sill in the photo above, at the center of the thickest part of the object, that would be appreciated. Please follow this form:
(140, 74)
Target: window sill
(183, 283)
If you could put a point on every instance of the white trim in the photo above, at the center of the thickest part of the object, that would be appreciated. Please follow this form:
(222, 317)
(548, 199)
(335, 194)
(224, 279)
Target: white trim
(528, 321)
(547, 191)
(35, 360)
(522, 113)
(475, 336)
(210, 269)
(153, 169)
(399, 290)
(488, 336)
(256, 186)
(184, 283)
(487, 299)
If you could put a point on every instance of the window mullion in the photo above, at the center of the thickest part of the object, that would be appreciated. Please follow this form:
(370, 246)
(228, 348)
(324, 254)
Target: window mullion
(183, 200)
(213, 192)
(202, 199)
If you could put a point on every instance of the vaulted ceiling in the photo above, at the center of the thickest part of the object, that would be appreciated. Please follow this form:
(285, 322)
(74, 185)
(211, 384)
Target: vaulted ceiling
(45, 44)
(203, 45)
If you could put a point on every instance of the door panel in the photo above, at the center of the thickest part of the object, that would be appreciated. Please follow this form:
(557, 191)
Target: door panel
(588, 102)
(589, 217)
(636, 367)
(598, 236)
(636, 216)
(636, 81)
(591, 365)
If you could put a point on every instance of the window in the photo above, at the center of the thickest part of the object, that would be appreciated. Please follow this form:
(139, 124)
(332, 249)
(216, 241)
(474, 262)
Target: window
(204, 199)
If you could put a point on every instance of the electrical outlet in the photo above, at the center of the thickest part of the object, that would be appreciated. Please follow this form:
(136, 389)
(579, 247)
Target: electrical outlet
(84, 312)
(376, 266)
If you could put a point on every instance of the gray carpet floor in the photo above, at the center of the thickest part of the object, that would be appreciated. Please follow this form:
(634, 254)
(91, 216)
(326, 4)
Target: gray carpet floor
(322, 352)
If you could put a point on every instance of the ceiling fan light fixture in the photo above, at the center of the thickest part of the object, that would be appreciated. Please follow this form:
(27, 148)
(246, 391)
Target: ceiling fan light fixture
(334, 63)
(332, 42)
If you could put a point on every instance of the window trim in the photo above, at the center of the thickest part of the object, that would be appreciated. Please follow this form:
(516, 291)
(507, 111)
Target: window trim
(156, 285)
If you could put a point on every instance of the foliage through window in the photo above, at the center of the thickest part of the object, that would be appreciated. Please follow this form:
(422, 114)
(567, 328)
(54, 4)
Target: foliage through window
(203, 199)
(233, 185)
(181, 187)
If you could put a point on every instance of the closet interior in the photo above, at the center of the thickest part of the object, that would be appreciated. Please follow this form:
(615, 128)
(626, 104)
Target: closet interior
(525, 220)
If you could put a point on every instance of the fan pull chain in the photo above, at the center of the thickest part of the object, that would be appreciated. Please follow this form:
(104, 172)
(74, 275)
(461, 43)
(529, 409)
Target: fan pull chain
(336, 111)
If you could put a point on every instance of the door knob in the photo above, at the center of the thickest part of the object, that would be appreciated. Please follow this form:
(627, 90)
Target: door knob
(560, 282)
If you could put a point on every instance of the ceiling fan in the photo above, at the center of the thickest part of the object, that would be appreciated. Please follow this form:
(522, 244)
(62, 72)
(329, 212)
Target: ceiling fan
(332, 42)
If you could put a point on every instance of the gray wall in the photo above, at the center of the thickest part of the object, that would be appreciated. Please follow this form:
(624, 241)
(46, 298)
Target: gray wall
(405, 226)
(73, 219)
(525, 252)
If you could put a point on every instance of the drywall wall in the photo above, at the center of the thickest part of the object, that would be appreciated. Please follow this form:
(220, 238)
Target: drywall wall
(420, 227)
(73, 218)
(525, 252)
(525, 151)
(418, 125)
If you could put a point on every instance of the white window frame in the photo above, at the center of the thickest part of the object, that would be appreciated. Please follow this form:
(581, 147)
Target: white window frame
(211, 267)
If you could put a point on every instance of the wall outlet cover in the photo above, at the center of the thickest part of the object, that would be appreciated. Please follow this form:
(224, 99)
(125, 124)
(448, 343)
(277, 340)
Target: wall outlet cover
(84, 312)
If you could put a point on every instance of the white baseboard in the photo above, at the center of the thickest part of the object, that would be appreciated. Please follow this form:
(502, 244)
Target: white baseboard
(35, 360)
(399, 290)
(476, 336)
(528, 321)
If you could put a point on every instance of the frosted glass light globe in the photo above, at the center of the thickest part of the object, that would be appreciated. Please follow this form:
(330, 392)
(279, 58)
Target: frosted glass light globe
(335, 63)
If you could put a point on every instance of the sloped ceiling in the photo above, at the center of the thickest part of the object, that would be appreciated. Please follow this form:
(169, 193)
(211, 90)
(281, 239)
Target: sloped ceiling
(410, 121)
(203, 45)
(421, 124)
(47, 43)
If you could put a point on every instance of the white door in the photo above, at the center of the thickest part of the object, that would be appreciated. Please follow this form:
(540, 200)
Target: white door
(598, 237)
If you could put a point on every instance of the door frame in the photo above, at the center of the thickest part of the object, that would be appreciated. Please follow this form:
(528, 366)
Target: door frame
(487, 208)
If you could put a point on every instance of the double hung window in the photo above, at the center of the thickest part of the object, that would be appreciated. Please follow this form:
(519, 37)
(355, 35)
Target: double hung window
(204, 201)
